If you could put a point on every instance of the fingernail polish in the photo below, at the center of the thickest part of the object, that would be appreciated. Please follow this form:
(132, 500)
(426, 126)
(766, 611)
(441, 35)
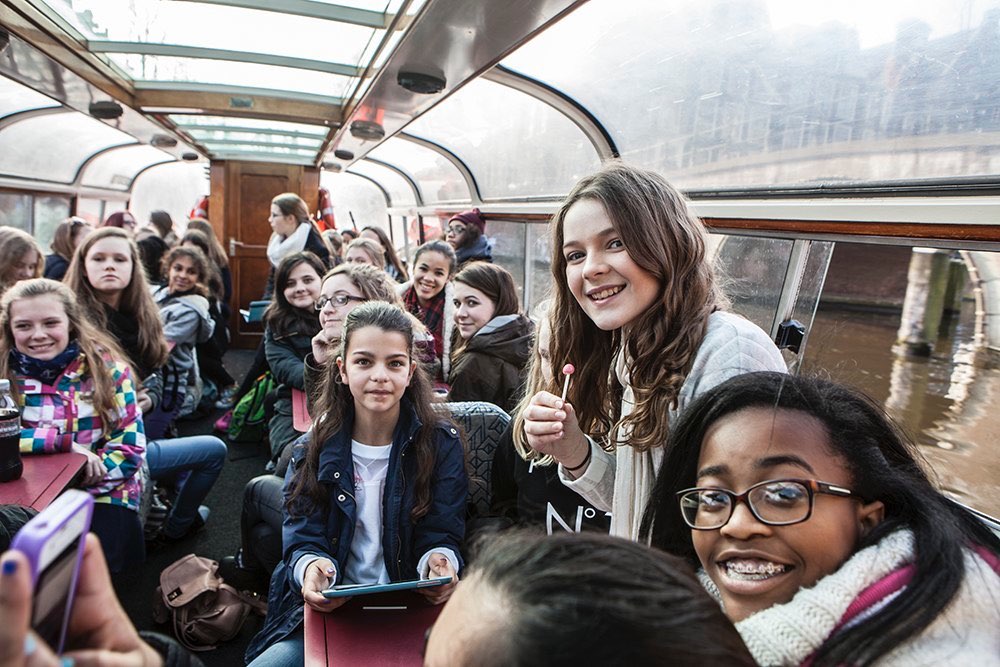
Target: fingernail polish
(9, 567)
(67, 662)
(29, 645)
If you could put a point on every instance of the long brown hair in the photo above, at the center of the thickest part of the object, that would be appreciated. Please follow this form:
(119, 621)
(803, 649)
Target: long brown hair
(136, 301)
(99, 349)
(216, 253)
(332, 408)
(391, 257)
(281, 317)
(534, 383)
(14, 245)
(64, 239)
(214, 281)
(667, 241)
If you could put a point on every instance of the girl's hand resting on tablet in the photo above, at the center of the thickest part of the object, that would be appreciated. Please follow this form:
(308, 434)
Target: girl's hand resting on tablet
(317, 578)
(551, 428)
(439, 566)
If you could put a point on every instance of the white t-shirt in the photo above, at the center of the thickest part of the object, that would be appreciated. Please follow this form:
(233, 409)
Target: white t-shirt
(371, 466)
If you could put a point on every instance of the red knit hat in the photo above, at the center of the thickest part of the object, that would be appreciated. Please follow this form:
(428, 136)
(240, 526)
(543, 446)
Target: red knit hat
(473, 217)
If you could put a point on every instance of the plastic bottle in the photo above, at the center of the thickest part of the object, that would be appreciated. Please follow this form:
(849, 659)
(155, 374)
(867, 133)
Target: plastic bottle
(10, 435)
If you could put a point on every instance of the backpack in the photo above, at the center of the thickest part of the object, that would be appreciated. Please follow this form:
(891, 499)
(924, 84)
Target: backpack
(249, 422)
(203, 609)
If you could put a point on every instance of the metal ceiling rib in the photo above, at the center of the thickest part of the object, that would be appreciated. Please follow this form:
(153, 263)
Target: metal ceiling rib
(463, 169)
(576, 112)
(417, 195)
(246, 91)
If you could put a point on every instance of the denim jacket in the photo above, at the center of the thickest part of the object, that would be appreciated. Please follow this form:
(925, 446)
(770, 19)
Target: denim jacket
(330, 530)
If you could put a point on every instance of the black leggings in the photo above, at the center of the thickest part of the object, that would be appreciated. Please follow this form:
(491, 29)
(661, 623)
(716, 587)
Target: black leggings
(120, 532)
(260, 523)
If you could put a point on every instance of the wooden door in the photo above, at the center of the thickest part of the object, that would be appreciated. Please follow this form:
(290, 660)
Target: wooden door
(246, 190)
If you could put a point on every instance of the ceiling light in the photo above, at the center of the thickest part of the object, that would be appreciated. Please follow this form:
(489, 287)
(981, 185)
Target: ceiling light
(162, 141)
(106, 109)
(422, 83)
(367, 130)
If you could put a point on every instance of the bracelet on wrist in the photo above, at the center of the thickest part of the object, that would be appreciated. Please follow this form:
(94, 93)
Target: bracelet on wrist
(586, 460)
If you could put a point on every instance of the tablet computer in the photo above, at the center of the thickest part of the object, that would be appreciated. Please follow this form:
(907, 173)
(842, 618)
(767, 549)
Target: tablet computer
(349, 590)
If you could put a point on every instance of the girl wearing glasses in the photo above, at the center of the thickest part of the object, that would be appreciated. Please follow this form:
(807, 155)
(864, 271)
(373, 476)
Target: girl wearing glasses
(638, 312)
(466, 233)
(817, 528)
(290, 323)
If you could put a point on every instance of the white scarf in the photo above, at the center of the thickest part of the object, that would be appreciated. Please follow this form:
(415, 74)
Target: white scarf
(636, 471)
(278, 248)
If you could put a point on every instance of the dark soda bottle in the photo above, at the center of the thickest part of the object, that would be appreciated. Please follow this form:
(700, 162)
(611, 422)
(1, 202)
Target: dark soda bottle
(10, 435)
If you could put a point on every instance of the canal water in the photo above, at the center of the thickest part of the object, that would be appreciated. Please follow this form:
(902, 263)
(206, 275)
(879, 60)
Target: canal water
(949, 402)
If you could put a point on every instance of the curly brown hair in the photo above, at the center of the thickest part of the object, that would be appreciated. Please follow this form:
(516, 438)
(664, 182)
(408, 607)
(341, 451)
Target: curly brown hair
(666, 240)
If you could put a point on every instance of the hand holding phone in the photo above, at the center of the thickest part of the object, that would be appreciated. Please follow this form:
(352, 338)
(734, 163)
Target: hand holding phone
(98, 630)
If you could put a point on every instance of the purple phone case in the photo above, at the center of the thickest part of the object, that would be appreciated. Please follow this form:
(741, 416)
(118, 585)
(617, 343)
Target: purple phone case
(35, 534)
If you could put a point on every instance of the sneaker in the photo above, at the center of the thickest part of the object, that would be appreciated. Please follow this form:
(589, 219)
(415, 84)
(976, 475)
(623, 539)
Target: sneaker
(160, 540)
(227, 397)
(239, 577)
(222, 423)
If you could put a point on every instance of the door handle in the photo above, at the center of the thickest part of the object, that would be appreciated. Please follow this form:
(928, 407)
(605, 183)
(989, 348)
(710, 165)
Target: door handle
(232, 246)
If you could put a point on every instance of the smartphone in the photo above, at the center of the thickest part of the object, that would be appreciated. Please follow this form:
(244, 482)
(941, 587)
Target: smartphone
(53, 542)
(349, 590)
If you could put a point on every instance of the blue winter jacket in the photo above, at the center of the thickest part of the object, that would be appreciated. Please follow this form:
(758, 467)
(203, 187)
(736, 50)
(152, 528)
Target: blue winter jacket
(328, 531)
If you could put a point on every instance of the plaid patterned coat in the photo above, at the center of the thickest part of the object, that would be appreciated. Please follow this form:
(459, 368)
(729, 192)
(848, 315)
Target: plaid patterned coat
(55, 416)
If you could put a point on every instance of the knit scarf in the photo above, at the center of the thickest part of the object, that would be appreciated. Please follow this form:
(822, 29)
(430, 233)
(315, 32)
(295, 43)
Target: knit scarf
(432, 316)
(278, 248)
(636, 471)
(46, 370)
(787, 634)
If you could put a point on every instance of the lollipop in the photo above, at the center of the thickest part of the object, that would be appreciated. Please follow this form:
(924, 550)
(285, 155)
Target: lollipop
(567, 371)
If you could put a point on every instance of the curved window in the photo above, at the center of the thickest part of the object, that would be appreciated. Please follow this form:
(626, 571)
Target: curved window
(53, 148)
(753, 94)
(116, 169)
(438, 179)
(514, 144)
(357, 202)
(15, 98)
(173, 187)
(399, 190)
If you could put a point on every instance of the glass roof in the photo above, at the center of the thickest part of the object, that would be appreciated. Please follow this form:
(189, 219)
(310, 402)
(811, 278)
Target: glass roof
(310, 51)
(117, 168)
(196, 24)
(236, 123)
(479, 123)
(726, 94)
(438, 179)
(228, 73)
(54, 150)
(399, 190)
(15, 98)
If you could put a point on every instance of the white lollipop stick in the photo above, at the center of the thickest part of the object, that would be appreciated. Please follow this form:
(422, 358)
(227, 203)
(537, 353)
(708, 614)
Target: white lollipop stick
(567, 371)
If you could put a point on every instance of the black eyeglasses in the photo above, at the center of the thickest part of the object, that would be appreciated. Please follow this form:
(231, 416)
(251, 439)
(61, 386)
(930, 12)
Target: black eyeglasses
(339, 299)
(456, 230)
(776, 502)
